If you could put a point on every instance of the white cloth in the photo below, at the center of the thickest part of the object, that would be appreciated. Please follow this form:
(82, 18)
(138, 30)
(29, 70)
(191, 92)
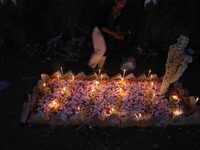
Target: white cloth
(99, 48)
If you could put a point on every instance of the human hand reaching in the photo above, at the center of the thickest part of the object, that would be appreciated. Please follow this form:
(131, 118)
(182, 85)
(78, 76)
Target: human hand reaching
(119, 36)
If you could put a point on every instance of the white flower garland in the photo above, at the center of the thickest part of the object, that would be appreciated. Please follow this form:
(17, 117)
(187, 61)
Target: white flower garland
(176, 63)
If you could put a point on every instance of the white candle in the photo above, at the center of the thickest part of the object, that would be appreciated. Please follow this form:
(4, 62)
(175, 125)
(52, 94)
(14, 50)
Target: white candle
(149, 73)
(101, 77)
(58, 76)
(124, 73)
(43, 78)
(137, 117)
(99, 72)
(44, 86)
(61, 70)
(151, 77)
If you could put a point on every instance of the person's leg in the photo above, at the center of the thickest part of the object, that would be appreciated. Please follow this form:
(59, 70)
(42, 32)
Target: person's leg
(99, 48)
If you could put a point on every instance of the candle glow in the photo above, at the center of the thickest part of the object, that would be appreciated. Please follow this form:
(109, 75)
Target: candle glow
(178, 112)
(175, 97)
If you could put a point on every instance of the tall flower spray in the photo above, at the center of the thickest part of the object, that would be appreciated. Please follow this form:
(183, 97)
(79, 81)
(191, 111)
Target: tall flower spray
(176, 63)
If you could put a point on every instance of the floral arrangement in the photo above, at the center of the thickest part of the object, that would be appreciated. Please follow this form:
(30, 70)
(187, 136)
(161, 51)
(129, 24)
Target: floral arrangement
(105, 97)
(176, 63)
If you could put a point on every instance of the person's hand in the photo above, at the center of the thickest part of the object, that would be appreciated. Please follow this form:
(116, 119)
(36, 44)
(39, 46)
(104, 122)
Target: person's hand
(119, 36)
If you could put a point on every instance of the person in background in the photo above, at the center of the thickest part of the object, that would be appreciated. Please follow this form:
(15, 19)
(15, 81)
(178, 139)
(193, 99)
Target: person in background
(107, 16)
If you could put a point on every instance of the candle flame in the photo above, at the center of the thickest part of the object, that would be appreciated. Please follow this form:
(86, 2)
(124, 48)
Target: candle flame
(54, 102)
(44, 84)
(197, 99)
(178, 112)
(175, 97)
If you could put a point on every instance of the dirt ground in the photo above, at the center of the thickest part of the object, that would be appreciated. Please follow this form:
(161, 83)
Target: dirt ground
(23, 75)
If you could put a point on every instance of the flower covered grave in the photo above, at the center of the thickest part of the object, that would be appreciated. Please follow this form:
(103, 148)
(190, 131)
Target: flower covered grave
(103, 101)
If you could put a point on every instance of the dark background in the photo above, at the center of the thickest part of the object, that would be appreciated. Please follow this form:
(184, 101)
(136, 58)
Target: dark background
(36, 20)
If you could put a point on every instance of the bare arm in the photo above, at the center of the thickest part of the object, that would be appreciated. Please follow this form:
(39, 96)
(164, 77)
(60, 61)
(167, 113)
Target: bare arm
(115, 34)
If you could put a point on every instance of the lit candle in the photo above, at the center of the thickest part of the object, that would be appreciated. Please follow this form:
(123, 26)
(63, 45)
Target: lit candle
(79, 109)
(151, 77)
(151, 84)
(44, 86)
(58, 76)
(137, 117)
(61, 71)
(149, 73)
(99, 72)
(175, 97)
(54, 102)
(177, 112)
(101, 77)
(42, 77)
(120, 90)
(124, 73)
(140, 115)
(73, 78)
(197, 99)
(64, 88)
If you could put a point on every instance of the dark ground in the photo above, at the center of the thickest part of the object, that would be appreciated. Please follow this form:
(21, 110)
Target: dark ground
(18, 136)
